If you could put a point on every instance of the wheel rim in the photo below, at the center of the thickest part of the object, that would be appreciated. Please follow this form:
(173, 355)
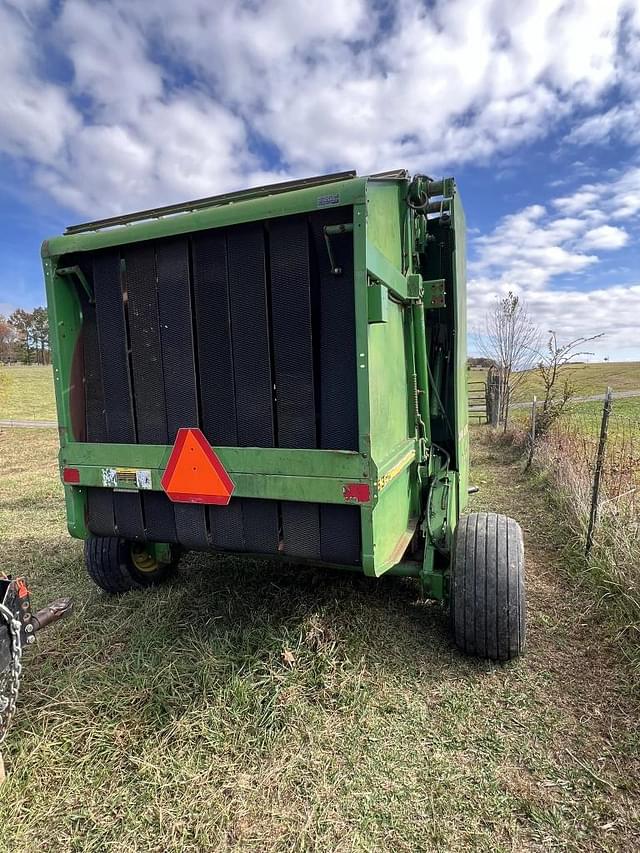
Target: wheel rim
(143, 560)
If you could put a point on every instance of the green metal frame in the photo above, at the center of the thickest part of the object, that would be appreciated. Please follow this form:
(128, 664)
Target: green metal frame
(415, 494)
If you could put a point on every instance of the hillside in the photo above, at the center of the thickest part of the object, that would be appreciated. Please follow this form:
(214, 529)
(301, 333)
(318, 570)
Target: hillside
(589, 379)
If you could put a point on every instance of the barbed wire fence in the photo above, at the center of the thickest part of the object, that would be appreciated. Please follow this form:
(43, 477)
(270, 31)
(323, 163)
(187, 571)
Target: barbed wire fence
(592, 456)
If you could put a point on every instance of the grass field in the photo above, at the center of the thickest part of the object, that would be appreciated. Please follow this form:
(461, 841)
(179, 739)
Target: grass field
(627, 407)
(27, 393)
(587, 416)
(251, 707)
(29, 390)
(588, 379)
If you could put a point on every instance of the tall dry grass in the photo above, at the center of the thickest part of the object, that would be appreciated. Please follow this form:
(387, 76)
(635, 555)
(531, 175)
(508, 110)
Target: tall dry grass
(564, 459)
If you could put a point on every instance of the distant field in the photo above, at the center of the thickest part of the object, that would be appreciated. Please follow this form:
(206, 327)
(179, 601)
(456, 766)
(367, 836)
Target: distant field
(628, 407)
(30, 389)
(588, 379)
(29, 394)
(586, 417)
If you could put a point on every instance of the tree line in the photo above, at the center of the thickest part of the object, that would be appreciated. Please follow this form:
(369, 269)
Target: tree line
(24, 337)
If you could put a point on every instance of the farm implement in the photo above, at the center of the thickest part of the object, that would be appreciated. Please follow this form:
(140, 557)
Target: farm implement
(18, 630)
(280, 372)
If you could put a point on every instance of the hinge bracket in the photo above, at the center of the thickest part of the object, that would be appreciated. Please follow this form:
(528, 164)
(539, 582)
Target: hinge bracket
(434, 293)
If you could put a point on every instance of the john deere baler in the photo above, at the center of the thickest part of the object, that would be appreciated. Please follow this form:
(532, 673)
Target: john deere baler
(279, 372)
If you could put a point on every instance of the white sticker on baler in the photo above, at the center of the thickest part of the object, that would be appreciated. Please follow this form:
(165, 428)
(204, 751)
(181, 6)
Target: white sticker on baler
(109, 478)
(328, 200)
(143, 479)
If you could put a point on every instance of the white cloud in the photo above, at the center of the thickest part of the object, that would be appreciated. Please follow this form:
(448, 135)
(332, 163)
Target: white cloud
(548, 241)
(616, 198)
(622, 120)
(325, 83)
(36, 117)
(109, 59)
(605, 237)
(573, 313)
(153, 102)
(528, 250)
(601, 127)
(151, 160)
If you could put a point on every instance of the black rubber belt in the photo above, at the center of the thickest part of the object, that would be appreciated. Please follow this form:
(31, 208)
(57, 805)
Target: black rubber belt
(114, 359)
(94, 397)
(215, 363)
(100, 517)
(293, 362)
(148, 384)
(339, 525)
(252, 370)
(179, 369)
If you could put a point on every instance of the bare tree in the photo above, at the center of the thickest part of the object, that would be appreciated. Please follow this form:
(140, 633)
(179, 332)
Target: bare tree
(556, 367)
(512, 341)
(7, 340)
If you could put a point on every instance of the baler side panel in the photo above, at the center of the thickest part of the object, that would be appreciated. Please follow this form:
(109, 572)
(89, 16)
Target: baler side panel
(392, 421)
(446, 334)
(460, 343)
(65, 338)
(390, 425)
(386, 212)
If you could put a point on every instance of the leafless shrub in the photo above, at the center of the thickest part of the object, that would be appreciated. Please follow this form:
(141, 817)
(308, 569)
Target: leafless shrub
(559, 388)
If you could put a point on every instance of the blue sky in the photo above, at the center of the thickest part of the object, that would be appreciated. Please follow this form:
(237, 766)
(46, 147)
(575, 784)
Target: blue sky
(111, 106)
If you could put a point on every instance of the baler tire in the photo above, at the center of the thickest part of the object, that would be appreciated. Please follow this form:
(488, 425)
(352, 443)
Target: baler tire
(110, 565)
(487, 596)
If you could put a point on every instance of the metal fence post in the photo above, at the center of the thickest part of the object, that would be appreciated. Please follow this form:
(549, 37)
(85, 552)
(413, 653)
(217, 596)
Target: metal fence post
(532, 433)
(597, 474)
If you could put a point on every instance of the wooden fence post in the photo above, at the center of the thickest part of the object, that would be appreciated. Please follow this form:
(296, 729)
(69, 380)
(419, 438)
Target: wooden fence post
(597, 474)
(493, 401)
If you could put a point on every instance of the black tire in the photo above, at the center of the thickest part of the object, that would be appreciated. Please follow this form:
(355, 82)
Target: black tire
(487, 597)
(110, 564)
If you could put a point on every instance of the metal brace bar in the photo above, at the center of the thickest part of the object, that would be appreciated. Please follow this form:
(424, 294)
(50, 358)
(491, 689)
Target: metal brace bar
(75, 270)
(329, 231)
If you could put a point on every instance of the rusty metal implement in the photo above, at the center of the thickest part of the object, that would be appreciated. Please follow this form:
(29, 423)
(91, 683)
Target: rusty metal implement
(18, 629)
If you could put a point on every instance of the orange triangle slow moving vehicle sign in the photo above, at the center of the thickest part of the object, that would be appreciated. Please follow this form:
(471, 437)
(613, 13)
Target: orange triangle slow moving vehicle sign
(194, 474)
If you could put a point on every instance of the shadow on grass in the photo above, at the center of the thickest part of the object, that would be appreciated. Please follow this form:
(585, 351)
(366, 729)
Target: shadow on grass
(224, 622)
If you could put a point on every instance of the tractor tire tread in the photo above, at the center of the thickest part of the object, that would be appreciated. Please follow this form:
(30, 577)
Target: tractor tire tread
(487, 600)
(109, 565)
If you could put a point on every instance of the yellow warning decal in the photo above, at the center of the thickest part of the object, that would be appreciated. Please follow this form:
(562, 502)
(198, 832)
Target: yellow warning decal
(397, 468)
